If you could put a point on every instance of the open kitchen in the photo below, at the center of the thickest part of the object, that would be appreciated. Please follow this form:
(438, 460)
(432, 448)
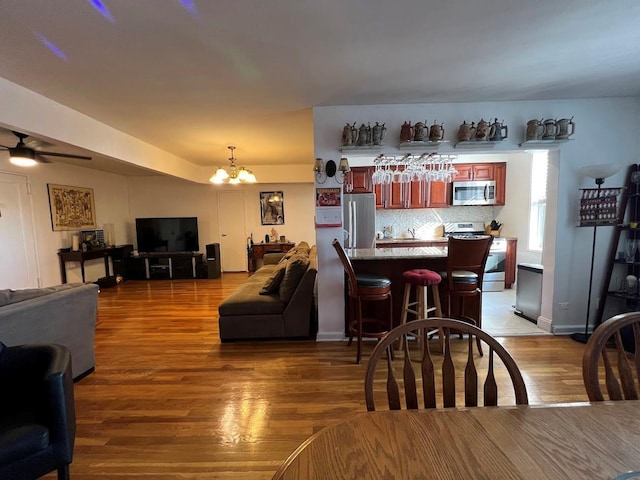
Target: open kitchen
(396, 217)
(389, 206)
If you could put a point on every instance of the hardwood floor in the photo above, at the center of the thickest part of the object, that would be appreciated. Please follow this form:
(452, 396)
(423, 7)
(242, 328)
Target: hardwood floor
(169, 401)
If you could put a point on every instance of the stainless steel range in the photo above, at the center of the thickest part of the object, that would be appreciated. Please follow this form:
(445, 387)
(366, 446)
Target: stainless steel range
(494, 276)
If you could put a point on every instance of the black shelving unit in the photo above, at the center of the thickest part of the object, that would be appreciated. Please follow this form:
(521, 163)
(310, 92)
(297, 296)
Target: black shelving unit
(627, 228)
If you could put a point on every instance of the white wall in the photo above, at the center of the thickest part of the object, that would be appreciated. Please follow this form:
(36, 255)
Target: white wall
(167, 197)
(119, 200)
(112, 206)
(605, 133)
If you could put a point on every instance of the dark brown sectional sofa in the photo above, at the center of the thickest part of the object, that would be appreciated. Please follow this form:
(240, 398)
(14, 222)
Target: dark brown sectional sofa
(277, 301)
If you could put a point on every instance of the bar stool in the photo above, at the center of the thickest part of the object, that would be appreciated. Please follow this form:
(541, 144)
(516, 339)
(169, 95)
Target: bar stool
(466, 260)
(422, 279)
(365, 288)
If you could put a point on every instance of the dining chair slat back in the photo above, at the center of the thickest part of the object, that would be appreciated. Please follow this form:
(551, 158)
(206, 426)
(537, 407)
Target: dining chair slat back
(613, 352)
(415, 352)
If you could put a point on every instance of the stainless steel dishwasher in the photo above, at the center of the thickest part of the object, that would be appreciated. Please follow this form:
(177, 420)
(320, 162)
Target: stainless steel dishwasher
(529, 291)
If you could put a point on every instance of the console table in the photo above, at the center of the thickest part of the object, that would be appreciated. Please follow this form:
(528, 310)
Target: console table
(66, 255)
(257, 251)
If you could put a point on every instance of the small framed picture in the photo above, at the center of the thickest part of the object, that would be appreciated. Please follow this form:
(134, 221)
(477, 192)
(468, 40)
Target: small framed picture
(272, 208)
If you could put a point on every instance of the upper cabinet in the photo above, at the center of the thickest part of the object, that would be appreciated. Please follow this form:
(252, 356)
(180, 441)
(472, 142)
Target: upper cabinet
(485, 171)
(424, 195)
(358, 180)
(475, 171)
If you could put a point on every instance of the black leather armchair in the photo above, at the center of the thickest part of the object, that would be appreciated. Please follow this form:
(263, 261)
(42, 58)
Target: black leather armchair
(37, 411)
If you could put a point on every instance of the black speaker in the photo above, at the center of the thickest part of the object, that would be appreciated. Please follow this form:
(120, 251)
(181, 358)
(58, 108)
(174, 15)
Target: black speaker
(214, 269)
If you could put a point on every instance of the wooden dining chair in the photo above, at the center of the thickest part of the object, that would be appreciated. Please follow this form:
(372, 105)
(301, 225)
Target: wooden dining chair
(614, 346)
(416, 367)
(462, 281)
(364, 288)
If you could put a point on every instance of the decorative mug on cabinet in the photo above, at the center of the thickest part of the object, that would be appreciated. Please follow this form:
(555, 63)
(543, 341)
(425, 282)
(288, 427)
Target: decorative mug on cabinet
(484, 131)
(378, 132)
(364, 135)
(436, 132)
(465, 132)
(563, 128)
(349, 135)
(418, 131)
(406, 132)
(535, 129)
(550, 129)
(499, 128)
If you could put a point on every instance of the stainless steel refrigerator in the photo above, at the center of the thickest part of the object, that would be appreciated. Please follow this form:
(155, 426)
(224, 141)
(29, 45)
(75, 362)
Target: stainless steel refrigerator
(359, 220)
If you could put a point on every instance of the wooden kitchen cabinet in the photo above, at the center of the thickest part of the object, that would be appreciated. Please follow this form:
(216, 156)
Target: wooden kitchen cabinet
(359, 180)
(510, 262)
(500, 176)
(439, 195)
(474, 171)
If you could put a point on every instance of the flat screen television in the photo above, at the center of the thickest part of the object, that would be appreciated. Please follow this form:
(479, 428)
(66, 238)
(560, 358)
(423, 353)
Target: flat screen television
(177, 234)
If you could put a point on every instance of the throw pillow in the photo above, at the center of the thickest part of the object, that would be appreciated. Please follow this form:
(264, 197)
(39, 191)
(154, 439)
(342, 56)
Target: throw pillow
(296, 266)
(272, 283)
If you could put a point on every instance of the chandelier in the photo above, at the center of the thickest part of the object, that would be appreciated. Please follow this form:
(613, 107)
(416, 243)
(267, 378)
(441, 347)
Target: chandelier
(235, 175)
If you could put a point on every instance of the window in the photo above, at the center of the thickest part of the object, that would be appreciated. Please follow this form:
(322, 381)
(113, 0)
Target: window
(538, 205)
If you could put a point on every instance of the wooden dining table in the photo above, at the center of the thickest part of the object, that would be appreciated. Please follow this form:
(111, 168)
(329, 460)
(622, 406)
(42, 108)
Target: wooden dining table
(560, 441)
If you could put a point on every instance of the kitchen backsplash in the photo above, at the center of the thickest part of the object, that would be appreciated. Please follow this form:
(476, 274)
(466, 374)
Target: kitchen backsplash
(427, 222)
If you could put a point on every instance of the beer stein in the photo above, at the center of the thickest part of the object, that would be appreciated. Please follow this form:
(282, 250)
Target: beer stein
(419, 132)
(364, 135)
(550, 128)
(349, 135)
(436, 133)
(378, 132)
(498, 134)
(535, 129)
(465, 132)
(406, 132)
(484, 131)
(563, 128)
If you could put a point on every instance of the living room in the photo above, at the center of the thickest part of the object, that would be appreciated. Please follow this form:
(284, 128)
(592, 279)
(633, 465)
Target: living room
(168, 399)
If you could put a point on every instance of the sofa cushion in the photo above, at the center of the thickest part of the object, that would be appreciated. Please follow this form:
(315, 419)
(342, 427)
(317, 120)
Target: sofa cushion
(272, 283)
(5, 295)
(296, 266)
(8, 297)
(302, 248)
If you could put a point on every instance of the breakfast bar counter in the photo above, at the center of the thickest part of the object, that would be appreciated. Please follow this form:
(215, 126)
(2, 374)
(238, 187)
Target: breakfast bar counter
(393, 262)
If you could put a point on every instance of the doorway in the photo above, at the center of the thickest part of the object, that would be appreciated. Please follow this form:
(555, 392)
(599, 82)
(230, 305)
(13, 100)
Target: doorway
(18, 256)
(233, 232)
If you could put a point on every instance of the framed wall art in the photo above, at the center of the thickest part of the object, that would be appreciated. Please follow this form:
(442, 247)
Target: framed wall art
(72, 208)
(272, 208)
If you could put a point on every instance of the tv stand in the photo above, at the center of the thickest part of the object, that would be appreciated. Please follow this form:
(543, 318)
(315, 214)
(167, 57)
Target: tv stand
(170, 264)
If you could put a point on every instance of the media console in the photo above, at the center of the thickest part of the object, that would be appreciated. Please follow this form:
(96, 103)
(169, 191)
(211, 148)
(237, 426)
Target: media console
(165, 265)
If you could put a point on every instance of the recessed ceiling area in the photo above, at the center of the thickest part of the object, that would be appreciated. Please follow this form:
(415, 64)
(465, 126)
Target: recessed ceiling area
(191, 78)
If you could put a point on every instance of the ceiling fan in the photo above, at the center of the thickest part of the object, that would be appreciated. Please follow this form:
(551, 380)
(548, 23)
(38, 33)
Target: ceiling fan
(25, 156)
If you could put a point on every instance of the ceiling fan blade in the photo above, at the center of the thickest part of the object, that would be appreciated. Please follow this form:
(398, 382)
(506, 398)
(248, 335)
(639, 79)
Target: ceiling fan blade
(41, 159)
(66, 155)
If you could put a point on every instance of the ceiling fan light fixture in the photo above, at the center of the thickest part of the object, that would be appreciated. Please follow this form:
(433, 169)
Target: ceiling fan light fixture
(22, 157)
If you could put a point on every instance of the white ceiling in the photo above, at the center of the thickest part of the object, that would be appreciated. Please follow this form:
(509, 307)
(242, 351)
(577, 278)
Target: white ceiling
(192, 77)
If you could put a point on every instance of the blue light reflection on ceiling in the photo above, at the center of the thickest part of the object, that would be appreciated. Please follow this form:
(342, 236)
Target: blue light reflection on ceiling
(190, 7)
(102, 9)
(51, 46)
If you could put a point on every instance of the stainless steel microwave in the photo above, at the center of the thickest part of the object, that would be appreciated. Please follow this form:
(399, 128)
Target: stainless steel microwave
(477, 192)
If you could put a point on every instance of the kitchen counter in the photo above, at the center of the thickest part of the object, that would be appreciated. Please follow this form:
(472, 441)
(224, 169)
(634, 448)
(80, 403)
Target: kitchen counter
(417, 242)
(408, 253)
(392, 263)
